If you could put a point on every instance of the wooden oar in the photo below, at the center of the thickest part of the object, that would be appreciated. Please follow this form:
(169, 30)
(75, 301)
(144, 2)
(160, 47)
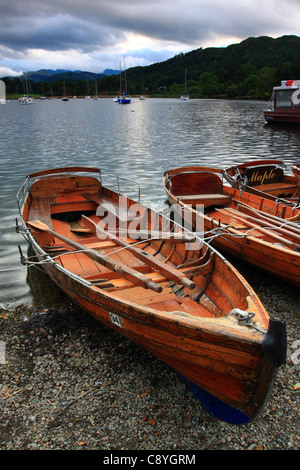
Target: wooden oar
(125, 271)
(267, 223)
(266, 232)
(153, 234)
(288, 222)
(145, 235)
(168, 271)
(264, 217)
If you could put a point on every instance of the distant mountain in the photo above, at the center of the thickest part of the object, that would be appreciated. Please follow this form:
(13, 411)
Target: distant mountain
(111, 72)
(41, 75)
(259, 52)
(48, 75)
(73, 76)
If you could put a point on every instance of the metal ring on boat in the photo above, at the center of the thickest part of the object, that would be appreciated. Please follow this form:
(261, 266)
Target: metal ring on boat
(242, 315)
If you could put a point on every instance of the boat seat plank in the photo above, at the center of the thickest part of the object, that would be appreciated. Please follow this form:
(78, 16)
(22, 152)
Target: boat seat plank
(276, 186)
(205, 199)
(63, 198)
(72, 206)
(40, 209)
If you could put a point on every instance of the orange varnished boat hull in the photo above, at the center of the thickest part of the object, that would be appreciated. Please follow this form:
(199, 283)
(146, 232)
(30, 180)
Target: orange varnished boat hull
(229, 366)
(266, 178)
(257, 248)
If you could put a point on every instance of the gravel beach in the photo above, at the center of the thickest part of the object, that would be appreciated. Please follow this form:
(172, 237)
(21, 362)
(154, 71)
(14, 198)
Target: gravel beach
(69, 383)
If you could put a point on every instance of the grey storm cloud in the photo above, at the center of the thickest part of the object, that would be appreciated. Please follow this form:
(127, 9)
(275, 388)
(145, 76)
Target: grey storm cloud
(56, 32)
(68, 24)
(99, 29)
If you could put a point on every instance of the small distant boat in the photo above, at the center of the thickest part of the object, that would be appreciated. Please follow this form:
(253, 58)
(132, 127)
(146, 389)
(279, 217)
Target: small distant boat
(256, 229)
(267, 178)
(285, 103)
(88, 92)
(96, 91)
(142, 98)
(2, 92)
(185, 95)
(154, 282)
(124, 99)
(116, 99)
(65, 97)
(42, 97)
(26, 100)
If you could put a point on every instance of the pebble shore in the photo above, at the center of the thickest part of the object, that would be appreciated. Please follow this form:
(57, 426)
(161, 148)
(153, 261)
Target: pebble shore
(69, 383)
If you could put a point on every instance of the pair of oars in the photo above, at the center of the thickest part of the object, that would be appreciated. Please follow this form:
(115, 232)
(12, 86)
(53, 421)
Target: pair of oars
(280, 222)
(125, 271)
(267, 228)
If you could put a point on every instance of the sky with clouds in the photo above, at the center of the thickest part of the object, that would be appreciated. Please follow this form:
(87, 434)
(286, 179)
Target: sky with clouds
(94, 35)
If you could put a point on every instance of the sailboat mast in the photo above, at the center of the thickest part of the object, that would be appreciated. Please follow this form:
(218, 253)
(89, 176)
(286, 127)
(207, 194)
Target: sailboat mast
(125, 77)
(120, 78)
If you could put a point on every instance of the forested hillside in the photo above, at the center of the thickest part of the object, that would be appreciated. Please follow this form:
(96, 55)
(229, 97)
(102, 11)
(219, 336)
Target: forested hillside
(247, 70)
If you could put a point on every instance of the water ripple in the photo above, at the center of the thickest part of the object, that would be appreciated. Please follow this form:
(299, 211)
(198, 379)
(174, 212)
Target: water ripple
(139, 142)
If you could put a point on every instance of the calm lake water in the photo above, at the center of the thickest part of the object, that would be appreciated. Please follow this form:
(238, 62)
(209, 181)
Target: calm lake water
(137, 141)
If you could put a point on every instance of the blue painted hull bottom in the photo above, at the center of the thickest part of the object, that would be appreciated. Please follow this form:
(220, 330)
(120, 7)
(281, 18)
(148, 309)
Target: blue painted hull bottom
(216, 407)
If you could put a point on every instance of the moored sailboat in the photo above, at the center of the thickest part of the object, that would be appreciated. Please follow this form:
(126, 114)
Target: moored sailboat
(65, 97)
(185, 96)
(26, 99)
(124, 98)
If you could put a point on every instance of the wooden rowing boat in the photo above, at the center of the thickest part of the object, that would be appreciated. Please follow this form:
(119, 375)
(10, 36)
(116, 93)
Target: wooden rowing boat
(258, 230)
(266, 178)
(137, 272)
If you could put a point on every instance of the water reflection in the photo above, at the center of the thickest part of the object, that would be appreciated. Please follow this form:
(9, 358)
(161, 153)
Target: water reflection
(43, 291)
(139, 142)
